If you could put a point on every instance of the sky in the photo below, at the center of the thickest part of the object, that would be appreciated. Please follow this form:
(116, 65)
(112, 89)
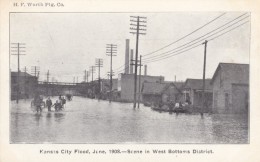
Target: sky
(66, 44)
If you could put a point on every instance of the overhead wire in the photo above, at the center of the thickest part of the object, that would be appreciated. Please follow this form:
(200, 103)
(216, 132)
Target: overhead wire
(185, 35)
(180, 38)
(170, 51)
(159, 59)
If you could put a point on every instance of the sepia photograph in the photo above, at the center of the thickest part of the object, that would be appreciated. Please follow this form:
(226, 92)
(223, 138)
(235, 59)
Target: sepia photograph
(129, 77)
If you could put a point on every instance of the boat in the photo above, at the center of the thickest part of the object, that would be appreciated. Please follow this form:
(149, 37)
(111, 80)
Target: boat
(166, 108)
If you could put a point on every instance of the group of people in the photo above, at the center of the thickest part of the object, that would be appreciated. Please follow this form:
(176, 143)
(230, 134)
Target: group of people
(58, 105)
(38, 103)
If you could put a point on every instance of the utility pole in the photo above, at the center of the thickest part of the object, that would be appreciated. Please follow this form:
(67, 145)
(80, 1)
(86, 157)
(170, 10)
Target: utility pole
(204, 71)
(25, 81)
(133, 63)
(48, 75)
(85, 75)
(35, 72)
(25, 69)
(110, 75)
(136, 27)
(16, 50)
(92, 70)
(140, 70)
(99, 63)
(111, 51)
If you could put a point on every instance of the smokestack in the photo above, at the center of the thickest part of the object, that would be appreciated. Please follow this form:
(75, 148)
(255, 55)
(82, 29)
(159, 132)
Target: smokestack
(145, 69)
(131, 58)
(127, 57)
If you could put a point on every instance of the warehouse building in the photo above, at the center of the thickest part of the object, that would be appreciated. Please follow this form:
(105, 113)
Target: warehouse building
(230, 84)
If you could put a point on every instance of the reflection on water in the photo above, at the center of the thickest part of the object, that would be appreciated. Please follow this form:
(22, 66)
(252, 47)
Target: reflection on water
(91, 121)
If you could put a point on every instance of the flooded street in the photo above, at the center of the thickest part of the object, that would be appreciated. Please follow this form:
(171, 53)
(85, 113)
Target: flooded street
(91, 121)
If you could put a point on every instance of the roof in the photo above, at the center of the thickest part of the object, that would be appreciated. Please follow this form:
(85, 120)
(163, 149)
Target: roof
(153, 88)
(178, 85)
(22, 74)
(197, 84)
(159, 88)
(243, 69)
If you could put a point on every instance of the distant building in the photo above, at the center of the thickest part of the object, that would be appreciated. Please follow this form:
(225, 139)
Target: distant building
(161, 92)
(231, 88)
(25, 85)
(105, 89)
(105, 85)
(193, 92)
(126, 85)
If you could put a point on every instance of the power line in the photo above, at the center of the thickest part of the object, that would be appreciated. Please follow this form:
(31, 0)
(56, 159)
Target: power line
(159, 59)
(227, 31)
(201, 37)
(184, 36)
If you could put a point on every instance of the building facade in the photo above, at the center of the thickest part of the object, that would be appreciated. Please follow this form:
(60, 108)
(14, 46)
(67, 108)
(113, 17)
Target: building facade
(193, 92)
(23, 85)
(154, 93)
(231, 88)
(126, 85)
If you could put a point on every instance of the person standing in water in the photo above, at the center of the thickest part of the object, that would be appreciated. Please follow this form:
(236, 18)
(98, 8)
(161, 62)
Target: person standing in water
(63, 101)
(49, 103)
(56, 105)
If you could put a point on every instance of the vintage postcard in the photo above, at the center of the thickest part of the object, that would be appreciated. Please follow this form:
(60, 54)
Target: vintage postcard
(87, 83)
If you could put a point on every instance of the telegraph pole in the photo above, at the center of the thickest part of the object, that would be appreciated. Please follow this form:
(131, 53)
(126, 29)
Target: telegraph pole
(140, 70)
(204, 71)
(136, 27)
(99, 64)
(111, 51)
(16, 50)
(25, 69)
(25, 79)
(48, 75)
(92, 70)
(133, 63)
(85, 75)
(35, 70)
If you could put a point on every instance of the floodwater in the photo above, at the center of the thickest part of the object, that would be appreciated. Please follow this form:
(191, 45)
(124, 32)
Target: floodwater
(91, 121)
